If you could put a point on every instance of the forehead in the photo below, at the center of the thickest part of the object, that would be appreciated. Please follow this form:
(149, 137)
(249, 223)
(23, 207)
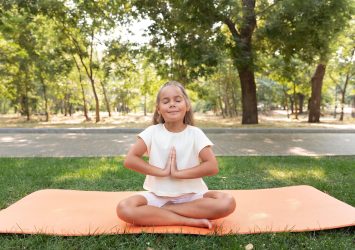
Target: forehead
(170, 92)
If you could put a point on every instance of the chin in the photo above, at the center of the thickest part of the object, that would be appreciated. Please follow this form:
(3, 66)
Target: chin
(177, 119)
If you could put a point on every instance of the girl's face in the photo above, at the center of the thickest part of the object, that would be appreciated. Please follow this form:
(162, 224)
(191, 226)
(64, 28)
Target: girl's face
(172, 104)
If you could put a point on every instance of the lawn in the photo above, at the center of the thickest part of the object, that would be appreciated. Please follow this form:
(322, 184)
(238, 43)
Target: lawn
(333, 175)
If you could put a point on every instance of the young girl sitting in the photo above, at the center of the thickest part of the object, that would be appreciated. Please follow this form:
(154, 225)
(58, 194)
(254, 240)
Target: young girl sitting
(179, 156)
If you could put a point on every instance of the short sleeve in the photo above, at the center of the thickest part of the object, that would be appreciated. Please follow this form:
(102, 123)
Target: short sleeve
(201, 140)
(146, 136)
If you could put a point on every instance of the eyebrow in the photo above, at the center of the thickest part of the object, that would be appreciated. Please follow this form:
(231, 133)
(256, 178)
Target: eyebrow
(172, 97)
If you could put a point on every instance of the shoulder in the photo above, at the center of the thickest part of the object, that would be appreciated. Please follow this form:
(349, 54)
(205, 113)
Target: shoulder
(199, 137)
(153, 128)
(150, 133)
(194, 129)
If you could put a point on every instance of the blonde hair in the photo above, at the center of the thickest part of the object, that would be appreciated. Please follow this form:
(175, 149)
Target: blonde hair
(188, 118)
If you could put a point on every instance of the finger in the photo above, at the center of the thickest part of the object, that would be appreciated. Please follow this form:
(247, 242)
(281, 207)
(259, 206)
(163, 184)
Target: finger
(168, 162)
(173, 152)
(173, 160)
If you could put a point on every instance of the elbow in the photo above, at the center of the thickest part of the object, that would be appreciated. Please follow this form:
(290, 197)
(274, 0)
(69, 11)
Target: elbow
(126, 163)
(214, 167)
(215, 171)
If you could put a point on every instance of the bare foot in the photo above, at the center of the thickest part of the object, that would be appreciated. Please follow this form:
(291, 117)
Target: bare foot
(199, 223)
(207, 223)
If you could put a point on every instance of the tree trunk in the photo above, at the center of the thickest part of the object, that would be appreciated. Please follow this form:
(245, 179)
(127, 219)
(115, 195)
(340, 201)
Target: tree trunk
(23, 90)
(97, 105)
(295, 101)
(70, 109)
(88, 68)
(317, 83)
(234, 100)
(66, 100)
(342, 108)
(286, 103)
(46, 109)
(91, 76)
(226, 99)
(87, 118)
(106, 99)
(243, 58)
(292, 105)
(300, 102)
(249, 101)
(343, 92)
(66, 105)
(27, 101)
(353, 108)
(220, 99)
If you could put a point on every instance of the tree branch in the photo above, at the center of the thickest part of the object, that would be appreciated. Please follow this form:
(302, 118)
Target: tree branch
(262, 12)
(232, 28)
(91, 50)
(77, 47)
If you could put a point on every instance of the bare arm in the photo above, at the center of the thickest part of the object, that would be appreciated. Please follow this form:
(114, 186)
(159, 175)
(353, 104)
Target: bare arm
(135, 162)
(207, 167)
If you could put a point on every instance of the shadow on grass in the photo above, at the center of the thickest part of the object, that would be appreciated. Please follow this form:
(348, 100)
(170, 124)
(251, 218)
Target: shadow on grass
(19, 177)
(333, 175)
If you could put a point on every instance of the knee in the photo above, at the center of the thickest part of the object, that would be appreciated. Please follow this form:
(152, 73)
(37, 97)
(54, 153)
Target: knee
(227, 204)
(123, 211)
(230, 204)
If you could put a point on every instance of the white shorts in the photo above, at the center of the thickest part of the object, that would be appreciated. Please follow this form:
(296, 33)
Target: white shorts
(159, 201)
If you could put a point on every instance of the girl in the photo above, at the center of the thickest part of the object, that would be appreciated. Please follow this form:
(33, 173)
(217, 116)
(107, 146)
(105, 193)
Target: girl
(179, 156)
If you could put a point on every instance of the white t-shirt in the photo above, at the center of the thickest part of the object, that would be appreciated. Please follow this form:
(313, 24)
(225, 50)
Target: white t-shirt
(188, 144)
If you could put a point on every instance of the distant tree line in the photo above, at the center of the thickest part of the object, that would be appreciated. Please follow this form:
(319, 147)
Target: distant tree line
(235, 57)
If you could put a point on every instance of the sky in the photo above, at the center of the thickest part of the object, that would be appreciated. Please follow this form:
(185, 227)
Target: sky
(132, 33)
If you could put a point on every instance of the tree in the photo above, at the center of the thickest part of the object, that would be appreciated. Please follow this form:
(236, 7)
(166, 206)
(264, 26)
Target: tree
(293, 76)
(150, 85)
(51, 60)
(83, 22)
(307, 29)
(16, 29)
(194, 30)
(82, 88)
(342, 67)
(117, 62)
(225, 83)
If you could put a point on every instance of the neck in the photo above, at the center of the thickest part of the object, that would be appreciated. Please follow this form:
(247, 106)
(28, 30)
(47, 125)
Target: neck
(174, 126)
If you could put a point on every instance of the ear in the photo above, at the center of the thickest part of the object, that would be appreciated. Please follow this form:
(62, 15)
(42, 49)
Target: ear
(157, 108)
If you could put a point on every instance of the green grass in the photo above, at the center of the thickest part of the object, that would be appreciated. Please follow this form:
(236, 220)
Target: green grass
(333, 175)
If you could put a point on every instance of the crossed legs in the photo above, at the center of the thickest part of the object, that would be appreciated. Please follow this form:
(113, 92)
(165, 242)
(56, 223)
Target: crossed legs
(196, 213)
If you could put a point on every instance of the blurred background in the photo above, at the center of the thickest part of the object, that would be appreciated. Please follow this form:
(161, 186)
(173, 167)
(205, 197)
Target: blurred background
(242, 62)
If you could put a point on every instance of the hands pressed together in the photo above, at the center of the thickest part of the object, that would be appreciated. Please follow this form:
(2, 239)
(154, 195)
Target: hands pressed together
(171, 166)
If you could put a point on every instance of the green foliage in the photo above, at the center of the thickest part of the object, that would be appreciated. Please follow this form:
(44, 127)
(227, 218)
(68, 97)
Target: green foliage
(341, 68)
(191, 41)
(305, 28)
(185, 40)
(220, 91)
(270, 94)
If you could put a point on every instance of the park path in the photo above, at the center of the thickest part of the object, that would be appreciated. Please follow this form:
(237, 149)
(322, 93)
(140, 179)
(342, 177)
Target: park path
(51, 142)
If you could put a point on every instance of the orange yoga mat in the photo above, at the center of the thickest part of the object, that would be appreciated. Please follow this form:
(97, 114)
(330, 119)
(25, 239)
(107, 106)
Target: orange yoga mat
(75, 213)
